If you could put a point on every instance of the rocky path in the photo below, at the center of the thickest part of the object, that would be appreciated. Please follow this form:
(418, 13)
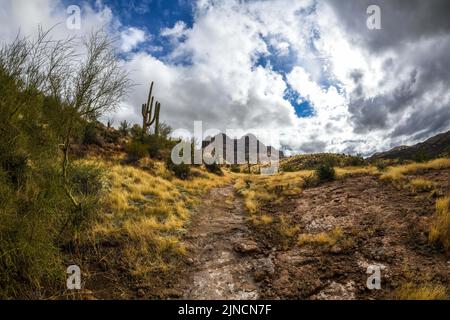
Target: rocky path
(222, 256)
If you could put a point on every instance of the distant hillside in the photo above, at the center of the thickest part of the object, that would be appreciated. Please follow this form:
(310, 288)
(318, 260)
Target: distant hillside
(247, 145)
(434, 147)
(312, 161)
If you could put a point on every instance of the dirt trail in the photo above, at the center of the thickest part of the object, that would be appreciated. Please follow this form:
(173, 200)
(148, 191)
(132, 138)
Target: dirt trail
(219, 246)
(381, 226)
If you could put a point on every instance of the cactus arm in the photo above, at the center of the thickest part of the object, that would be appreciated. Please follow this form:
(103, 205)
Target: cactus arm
(150, 95)
(157, 109)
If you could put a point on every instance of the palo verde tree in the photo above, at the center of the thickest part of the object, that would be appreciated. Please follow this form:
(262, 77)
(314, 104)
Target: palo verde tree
(83, 77)
(93, 84)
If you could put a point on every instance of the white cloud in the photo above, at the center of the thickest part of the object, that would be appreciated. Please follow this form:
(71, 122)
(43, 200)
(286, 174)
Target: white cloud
(131, 38)
(212, 72)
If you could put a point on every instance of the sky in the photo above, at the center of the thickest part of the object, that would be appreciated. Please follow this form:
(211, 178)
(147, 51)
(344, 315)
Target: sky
(308, 75)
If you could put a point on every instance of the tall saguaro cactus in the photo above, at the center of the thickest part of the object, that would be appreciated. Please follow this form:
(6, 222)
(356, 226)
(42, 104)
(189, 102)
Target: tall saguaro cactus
(148, 116)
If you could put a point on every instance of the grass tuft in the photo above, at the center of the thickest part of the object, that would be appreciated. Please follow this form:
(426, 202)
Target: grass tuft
(323, 238)
(440, 227)
(423, 292)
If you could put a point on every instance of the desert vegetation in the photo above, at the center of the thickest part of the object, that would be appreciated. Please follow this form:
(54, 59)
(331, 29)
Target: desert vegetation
(76, 191)
(310, 213)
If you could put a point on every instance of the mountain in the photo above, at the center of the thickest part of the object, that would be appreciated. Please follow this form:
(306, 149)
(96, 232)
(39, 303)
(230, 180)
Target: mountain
(434, 147)
(248, 146)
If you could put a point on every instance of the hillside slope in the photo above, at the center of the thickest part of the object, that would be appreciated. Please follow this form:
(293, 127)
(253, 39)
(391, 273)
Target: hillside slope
(434, 147)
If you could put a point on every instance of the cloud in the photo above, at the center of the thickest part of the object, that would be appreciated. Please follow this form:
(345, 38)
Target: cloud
(234, 66)
(131, 38)
(396, 78)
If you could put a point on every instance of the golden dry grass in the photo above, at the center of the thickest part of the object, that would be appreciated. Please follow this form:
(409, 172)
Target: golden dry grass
(323, 238)
(352, 171)
(440, 227)
(398, 172)
(286, 229)
(261, 220)
(259, 189)
(421, 185)
(423, 292)
(150, 208)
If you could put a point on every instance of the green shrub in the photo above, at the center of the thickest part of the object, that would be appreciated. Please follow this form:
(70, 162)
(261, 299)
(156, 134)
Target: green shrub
(381, 165)
(30, 221)
(354, 161)
(287, 167)
(15, 166)
(136, 131)
(214, 168)
(92, 135)
(325, 172)
(235, 168)
(159, 147)
(421, 156)
(310, 181)
(181, 171)
(111, 136)
(136, 150)
(124, 128)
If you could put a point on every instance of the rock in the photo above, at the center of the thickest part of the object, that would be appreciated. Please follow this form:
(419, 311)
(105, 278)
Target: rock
(103, 265)
(247, 246)
(262, 268)
(141, 293)
(87, 295)
(336, 249)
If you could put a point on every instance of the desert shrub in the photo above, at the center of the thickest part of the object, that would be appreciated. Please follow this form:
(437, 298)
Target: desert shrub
(111, 135)
(288, 167)
(325, 172)
(381, 165)
(310, 181)
(181, 171)
(87, 180)
(136, 150)
(15, 166)
(30, 220)
(124, 128)
(235, 168)
(354, 161)
(92, 135)
(136, 131)
(214, 168)
(420, 156)
(159, 147)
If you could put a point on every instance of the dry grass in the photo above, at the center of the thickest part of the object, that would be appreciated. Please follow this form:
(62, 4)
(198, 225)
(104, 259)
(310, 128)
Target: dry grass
(397, 173)
(423, 292)
(321, 239)
(150, 208)
(261, 220)
(440, 227)
(421, 185)
(352, 171)
(260, 189)
(286, 229)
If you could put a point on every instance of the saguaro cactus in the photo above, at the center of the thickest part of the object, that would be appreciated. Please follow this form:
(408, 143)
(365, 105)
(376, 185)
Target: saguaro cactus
(148, 116)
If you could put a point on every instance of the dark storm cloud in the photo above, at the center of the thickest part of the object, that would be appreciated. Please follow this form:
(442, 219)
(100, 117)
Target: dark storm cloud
(430, 122)
(370, 114)
(418, 33)
(401, 20)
